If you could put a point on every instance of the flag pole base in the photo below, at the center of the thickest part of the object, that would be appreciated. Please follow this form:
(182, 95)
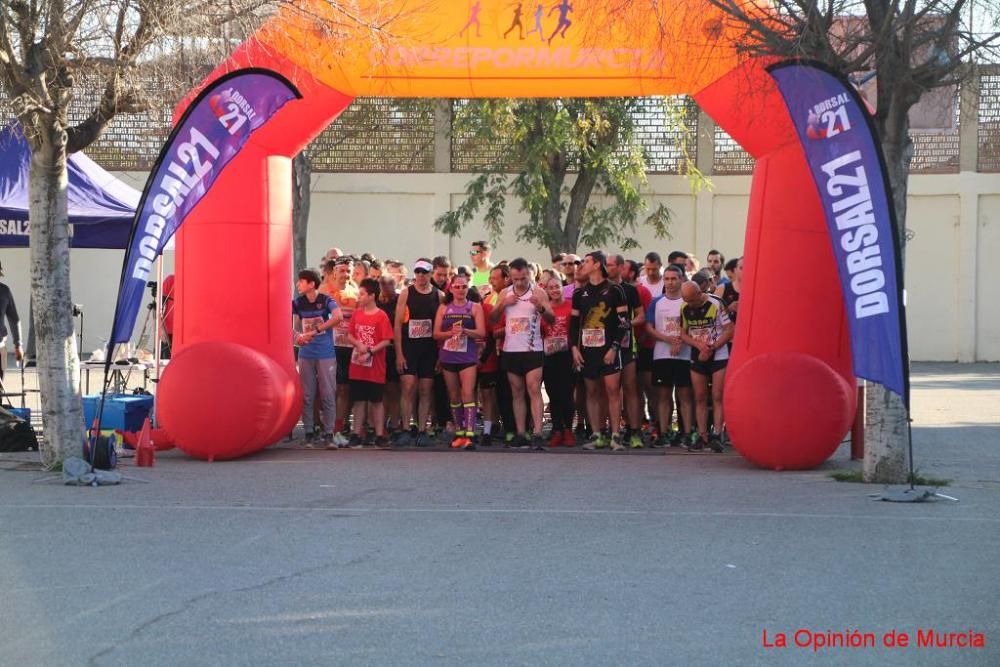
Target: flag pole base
(910, 495)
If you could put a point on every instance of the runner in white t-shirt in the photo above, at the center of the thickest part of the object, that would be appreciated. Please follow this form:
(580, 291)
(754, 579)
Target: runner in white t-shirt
(652, 275)
(523, 305)
(671, 359)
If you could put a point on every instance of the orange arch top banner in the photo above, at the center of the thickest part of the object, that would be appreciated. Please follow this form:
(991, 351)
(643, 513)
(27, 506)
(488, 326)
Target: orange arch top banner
(505, 48)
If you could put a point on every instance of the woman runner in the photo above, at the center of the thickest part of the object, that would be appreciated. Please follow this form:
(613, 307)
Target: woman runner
(557, 371)
(457, 326)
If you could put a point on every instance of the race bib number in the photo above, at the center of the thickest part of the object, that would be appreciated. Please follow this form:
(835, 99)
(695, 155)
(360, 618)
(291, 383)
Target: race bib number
(311, 324)
(672, 327)
(519, 325)
(362, 358)
(593, 338)
(340, 336)
(701, 335)
(554, 344)
(420, 328)
(457, 343)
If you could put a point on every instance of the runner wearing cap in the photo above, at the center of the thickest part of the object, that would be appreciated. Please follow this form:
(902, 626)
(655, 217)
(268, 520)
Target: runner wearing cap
(416, 353)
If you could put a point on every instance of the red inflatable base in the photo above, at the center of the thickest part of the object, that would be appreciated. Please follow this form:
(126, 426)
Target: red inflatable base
(221, 400)
(787, 410)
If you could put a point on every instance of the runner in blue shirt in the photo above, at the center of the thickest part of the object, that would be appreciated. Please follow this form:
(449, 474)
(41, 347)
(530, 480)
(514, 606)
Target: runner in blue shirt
(314, 316)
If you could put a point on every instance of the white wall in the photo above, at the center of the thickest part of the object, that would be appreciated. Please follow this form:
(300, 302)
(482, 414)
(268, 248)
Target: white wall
(949, 272)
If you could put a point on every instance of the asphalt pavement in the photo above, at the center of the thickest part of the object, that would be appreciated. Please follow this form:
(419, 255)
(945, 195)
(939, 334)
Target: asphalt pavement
(299, 557)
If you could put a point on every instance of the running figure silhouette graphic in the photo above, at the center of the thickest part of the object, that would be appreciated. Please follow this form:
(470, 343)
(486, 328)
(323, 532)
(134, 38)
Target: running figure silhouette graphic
(564, 23)
(539, 13)
(516, 23)
(473, 20)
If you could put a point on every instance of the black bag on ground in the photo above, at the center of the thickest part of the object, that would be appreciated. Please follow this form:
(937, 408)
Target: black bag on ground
(17, 436)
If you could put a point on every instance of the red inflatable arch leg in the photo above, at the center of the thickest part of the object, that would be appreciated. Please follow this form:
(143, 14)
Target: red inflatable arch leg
(232, 386)
(789, 396)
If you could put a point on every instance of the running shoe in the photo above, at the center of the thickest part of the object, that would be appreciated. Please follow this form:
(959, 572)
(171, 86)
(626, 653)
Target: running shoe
(329, 441)
(662, 440)
(338, 440)
(486, 440)
(569, 440)
(697, 445)
(676, 439)
(616, 443)
(521, 441)
(424, 440)
(635, 442)
(355, 441)
(596, 441)
(459, 441)
(310, 439)
(381, 441)
(556, 438)
(715, 444)
(538, 442)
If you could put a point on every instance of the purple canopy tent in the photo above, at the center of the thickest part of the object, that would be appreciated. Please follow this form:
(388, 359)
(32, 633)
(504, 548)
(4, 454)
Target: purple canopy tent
(101, 207)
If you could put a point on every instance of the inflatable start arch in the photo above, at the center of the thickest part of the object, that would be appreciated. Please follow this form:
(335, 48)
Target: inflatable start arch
(232, 388)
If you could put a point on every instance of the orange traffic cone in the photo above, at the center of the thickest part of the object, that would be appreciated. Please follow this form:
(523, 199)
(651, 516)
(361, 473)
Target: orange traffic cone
(145, 453)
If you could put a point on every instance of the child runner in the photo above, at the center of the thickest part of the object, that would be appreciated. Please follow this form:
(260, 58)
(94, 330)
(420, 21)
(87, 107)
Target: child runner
(313, 316)
(370, 334)
(459, 323)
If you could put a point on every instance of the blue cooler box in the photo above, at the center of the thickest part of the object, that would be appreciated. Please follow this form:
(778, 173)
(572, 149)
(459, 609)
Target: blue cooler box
(122, 411)
(23, 413)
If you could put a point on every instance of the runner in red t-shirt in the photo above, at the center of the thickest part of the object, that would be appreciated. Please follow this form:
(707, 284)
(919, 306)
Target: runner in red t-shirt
(370, 333)
(557, 371)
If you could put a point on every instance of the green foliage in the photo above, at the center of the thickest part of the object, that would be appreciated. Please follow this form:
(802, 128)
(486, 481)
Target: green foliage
(538, 145)
(677, 118)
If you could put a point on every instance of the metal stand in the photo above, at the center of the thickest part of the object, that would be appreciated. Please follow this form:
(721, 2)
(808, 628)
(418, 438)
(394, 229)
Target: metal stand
(52, 478)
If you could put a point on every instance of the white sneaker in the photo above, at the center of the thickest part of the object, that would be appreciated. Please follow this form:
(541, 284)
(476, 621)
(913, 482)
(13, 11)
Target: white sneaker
(339, 440)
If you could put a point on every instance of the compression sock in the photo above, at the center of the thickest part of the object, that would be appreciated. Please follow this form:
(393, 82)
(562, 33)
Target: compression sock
(470, 418)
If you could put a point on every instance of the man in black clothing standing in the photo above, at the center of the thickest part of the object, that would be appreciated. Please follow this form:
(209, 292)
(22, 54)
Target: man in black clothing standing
(9, 311)
(598, 321)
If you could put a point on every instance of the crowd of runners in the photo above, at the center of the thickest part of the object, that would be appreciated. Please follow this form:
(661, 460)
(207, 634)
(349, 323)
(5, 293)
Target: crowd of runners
(628, 354)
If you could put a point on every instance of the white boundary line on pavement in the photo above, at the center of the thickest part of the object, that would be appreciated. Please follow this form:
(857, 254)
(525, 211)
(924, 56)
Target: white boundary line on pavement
(512, 510)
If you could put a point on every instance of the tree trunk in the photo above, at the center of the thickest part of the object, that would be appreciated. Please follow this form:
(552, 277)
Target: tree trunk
(58, 363)
(559, 237)
(301, 185)
(885, 421)
(579, 199)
